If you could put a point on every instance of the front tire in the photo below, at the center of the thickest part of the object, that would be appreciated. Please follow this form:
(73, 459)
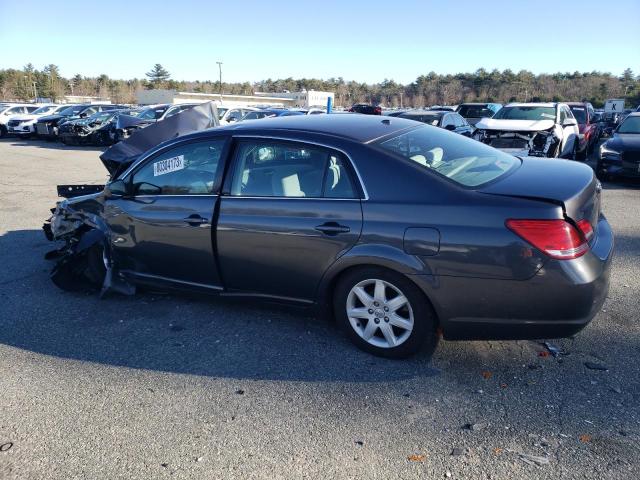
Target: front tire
(384, 313)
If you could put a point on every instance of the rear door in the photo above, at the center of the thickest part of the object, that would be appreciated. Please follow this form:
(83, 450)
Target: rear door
(287, 212)
(163, 231)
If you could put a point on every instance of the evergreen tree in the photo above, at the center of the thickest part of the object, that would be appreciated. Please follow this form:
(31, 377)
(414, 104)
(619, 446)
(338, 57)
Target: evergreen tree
(157, 76)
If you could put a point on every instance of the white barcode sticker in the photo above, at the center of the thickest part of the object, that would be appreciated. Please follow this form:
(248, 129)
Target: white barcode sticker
(169, 165)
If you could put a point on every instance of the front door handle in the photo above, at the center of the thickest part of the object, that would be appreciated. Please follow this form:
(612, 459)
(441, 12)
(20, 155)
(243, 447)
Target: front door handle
(195, 220)
(332, 228)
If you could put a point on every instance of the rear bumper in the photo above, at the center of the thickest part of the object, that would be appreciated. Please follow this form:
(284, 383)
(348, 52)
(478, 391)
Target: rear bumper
(559, 301)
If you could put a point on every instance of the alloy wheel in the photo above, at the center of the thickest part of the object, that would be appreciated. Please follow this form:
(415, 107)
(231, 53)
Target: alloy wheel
(380, 313)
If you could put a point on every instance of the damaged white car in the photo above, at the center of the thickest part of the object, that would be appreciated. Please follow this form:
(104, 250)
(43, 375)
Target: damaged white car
(532, 129)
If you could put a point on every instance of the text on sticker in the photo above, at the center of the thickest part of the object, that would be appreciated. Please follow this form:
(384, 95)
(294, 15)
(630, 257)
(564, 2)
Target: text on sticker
(169, 165)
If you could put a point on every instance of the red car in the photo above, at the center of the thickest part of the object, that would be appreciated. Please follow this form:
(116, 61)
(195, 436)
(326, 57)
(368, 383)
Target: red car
(588, 126)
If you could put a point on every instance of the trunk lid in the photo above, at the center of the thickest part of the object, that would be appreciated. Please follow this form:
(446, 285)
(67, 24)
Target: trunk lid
(563, 182)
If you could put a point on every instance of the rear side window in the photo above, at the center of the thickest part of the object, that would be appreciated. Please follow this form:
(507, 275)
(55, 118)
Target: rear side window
(189, 169)
(467, 162)
(277, 169)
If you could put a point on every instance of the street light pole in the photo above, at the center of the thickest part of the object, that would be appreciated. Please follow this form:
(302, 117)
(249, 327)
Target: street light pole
(35, 92)
(220, 69)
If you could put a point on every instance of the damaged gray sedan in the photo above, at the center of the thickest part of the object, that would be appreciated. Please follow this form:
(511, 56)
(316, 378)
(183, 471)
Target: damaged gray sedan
(399, 229)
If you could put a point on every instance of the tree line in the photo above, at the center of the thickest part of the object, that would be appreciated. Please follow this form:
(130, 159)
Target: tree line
(430, 89)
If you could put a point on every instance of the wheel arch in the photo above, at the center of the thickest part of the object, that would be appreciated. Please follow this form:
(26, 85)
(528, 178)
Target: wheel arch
(344, 265)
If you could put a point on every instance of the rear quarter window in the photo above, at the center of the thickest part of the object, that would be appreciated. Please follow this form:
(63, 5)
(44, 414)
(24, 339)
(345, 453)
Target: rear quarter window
(466, 162)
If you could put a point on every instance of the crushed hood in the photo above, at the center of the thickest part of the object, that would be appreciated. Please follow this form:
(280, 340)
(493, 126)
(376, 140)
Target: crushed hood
(119, 156)
(125, 121)
(515, 125)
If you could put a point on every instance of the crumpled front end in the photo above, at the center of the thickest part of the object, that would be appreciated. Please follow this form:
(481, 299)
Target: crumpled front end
(84, 262)
(543, 143)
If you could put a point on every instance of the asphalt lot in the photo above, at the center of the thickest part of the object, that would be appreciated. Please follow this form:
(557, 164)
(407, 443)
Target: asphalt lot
(165, 386)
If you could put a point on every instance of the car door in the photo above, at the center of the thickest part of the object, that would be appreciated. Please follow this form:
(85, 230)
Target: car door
(287, 212)
(162, 230)
(569, 132)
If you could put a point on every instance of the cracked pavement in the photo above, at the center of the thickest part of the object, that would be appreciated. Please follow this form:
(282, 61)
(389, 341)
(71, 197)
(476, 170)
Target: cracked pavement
(149, 386)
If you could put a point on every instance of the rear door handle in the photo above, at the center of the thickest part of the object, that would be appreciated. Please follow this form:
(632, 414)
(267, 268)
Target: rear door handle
(332, 228)
(195, 220)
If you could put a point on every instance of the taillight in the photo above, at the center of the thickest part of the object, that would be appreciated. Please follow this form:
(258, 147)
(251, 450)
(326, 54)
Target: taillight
(556, 238)
(378, 111)
(586, 229)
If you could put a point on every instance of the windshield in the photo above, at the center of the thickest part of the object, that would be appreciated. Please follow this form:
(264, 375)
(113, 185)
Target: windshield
(257, 115)
(580, 113)
(153, 113)
(467, 162)
(99, 117)
(630, 125)
(221, 112)
(430, 118)
(525, 112)
(41, 110)
(73, 110)
(475, 111)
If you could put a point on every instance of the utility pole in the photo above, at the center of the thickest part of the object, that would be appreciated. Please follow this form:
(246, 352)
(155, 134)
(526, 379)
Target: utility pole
(401, 99)
(220, 70)
(35, 92)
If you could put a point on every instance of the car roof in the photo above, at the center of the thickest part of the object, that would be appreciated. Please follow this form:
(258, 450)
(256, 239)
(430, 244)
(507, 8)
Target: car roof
(360, 128)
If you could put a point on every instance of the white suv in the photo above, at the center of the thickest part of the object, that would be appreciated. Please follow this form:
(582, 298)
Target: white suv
(532, 129)
(25, 125)
(7, 110)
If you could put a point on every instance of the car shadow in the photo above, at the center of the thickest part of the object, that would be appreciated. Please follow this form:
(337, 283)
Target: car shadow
(187, 334)
(217, 337)
(53, 145)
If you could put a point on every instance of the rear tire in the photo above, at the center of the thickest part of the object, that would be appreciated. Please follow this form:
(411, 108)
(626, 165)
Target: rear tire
(384, 313)
(3, 131)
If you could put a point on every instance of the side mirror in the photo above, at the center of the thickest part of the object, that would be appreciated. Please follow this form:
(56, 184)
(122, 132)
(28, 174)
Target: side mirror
(83, 115)
(568, 122)
(117, 188)
(232, 120)
(450, 127)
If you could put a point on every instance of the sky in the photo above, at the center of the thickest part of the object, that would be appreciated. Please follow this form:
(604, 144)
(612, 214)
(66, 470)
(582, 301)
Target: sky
(366, 41)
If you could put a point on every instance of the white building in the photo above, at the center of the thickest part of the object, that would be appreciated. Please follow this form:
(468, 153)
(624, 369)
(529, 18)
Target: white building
(302, 99)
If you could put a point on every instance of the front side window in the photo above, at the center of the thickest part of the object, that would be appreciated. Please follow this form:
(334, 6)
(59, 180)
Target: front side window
(467, 162)
(275, 169)
(580, 114)
(189, 169)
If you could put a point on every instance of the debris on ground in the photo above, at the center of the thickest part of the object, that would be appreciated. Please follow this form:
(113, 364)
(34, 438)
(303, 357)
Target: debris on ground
(596, 366)
(447, 474)
(417, 458)
(585, 438)
(457, 451)
(6, 446)
(616, 389)
(487, 375)
(553, 349)
(240, 392)
(533, 459)
(360, 443)
(474, 427)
